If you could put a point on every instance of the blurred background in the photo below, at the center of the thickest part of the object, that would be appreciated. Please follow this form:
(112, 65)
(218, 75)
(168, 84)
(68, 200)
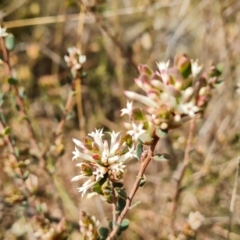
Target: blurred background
(117, 35)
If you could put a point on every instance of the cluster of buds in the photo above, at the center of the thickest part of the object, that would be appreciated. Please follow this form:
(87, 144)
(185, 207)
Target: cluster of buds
(75, 59)
(88, 226)
(189, 230)
(102, 161)
(49, 231)
(173, 95)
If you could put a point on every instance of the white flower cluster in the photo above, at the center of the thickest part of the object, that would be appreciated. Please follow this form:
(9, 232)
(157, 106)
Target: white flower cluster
(75, 58)
(101, 159)
(173, 95)
(195, 220)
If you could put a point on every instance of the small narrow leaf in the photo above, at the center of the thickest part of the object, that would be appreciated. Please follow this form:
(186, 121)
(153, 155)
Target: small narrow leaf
(139, 150)
(12, 81)
(134, 205)
(7, 130)
(121, 193)
(162, 157)
(121, 203)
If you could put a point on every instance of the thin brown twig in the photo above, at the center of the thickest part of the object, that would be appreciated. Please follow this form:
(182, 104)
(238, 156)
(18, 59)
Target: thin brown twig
(61, 124)
(141, 172)
(104, 28)
(233, 200)
(7, 139)
(183, 169)
(33, 140)
(74, 17)
(78, 81)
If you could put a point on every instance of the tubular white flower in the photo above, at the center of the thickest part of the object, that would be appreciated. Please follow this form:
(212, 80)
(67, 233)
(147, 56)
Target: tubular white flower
(188, 108)
(87, 185)
(99, 173)
(78, 154)
(118, 167)
(136, 131)
(127, 110)
(3, 32)
(163, 66)
(196, 69)
(141, 98)
(97, 136)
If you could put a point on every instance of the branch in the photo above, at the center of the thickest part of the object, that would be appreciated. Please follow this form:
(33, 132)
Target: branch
(33, 140)
(143, 167)
(179, 179)
(114, 39)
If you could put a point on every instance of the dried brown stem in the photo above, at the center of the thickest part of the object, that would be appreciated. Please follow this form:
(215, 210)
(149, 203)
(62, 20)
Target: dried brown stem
(9, 142)
(62, 122)
(141, 172)
(33, 139)
(234, 196)
(181, 173)
(114, 39)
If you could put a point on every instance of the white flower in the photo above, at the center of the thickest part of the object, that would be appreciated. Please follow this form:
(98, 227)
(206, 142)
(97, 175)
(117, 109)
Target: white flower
(163, 69)
(189, 109)
(195, 220)
(75, 58)
(117, 167)
(82, 59)
(100, 158)
(163, 66)
(195, 68)
(136, 131)
(3, 32)
(127, 110)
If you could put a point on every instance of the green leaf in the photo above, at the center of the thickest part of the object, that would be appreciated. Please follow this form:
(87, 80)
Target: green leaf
(117, 185)
(125, 224)
(142, 181)
(97, 188)
(121, 193)
(138, 115)
(161, 133)
(12, 81)
(10, 42)
(26, 174)
(121, 203)
(139, 150)
(16, 151)
(103, 232)
(7, 130)
(162, 157)
(220, 68)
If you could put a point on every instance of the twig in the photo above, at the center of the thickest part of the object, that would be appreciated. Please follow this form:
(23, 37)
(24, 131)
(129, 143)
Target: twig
(233, 200)
(114, 39)
(33, 140)
(141, 172)
(9, 142)
(118, 58)
(62, 122)
(81, 119)
(179, 179)
(75, 17)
